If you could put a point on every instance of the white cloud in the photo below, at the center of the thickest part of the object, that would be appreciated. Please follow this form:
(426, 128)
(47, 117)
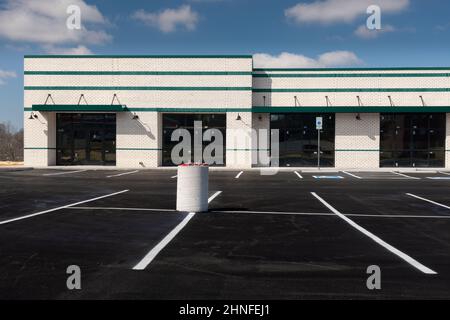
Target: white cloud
(169, 20)
(335, 11)
(79, 50)
(290, 60)
(6, 75)
(44, 22)
(363, 32)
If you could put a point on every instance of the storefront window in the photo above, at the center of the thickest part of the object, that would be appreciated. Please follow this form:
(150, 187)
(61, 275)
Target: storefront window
(171, 122)
(298, 139)
(412, 140)
(85, 139)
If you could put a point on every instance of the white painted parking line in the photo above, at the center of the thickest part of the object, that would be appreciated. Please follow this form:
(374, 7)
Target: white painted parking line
(298, 174)
(352, 175)
(396, 216)
(173, 177)
(239, 174)
(122, 174)
(214, 196)
(60, 208)
(276, 212)
(65, 172)
(404, 175)
(438, 178)
(427, 200)
(332, 214)
(122, 209)
(378, 240)
(151, 255)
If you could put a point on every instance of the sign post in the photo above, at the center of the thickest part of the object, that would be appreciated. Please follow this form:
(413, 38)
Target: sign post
(319, 125)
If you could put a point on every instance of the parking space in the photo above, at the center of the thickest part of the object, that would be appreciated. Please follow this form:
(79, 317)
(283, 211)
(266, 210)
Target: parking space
(36, 252)
(288, 235)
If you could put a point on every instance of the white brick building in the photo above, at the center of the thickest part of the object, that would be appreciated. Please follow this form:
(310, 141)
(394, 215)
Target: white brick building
(121, 110)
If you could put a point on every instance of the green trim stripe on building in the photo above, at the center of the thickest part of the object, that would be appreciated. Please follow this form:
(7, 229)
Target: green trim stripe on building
(193, 56)
(141, 73)
(337, 90)
(355, 69)
(408, 109)
(246, 149)
(239, 73)
(138, 149)
(137, 88)
(104, 108)
(123, 108)
(256, 109)
(256, 90)
(349, 75)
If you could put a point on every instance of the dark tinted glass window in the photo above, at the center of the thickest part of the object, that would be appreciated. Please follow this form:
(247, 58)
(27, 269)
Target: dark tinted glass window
(88, 138)
(299, 139)
(171, 122)
(412, 140)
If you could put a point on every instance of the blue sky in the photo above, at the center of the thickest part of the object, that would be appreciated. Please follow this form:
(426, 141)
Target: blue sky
(295, 33)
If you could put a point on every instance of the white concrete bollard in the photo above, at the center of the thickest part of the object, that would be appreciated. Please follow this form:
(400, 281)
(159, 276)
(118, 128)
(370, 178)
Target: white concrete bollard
(192, 188)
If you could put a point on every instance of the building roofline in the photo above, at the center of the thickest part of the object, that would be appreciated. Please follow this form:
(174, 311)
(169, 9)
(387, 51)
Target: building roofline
(353, 69)
(142, 56)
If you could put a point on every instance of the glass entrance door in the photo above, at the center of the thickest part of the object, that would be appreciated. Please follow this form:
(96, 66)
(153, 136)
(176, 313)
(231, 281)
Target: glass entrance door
(86, 139)
(298, 139)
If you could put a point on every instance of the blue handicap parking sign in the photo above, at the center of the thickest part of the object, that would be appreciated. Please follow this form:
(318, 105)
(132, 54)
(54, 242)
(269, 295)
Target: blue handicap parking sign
(319, 123)
(328, 177)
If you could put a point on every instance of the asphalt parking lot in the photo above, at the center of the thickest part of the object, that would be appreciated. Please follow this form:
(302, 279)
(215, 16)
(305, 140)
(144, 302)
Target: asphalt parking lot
(293, 235)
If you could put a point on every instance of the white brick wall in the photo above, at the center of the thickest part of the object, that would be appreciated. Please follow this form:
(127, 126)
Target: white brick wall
(147, 99)
(39, 139)
(357, 142)
(239, 142)
(349, 99)
(138, 142)
(138, 64)
(261, 121)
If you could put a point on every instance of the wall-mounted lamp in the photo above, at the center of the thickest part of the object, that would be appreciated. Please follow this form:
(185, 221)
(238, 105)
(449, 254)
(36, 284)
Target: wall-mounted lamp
(390, 101)
(423, 101)
(135, 116)
(33, 116)
(358, 116)
(259, 117)
(238, 118)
